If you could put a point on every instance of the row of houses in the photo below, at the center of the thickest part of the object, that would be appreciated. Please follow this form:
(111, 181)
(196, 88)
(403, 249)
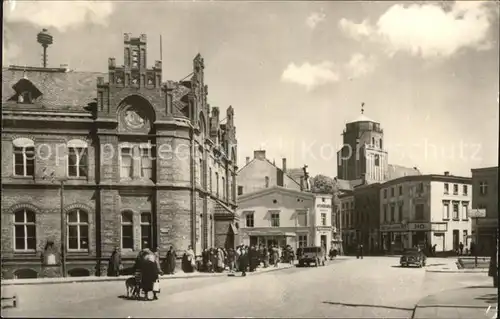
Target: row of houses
(383, 206)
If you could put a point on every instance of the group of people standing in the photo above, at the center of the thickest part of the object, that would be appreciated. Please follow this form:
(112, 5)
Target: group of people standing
(244, 258)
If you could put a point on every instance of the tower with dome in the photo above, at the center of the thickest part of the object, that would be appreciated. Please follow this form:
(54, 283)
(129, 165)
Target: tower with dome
(362, 154)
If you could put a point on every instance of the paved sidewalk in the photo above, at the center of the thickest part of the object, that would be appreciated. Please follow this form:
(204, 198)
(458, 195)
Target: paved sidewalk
(449, 265)
(470, 302)
(178, 275)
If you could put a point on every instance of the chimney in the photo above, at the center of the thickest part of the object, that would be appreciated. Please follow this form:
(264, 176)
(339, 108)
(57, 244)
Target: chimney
(446, 173)
(261, 155)
(247, 160)
(283, 167)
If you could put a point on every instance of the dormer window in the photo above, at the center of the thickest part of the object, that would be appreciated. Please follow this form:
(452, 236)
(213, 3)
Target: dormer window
(25, 97)
(26, 92)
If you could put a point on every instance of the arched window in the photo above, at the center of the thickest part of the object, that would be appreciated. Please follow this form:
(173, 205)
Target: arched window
(267, 181)
(381, 146)
(224, 197)
(373, 141)
(79, 272)
(24, 157)
(127, 230)
(24, 230)
(25, 274)
(78, 230)
(217, 184)
(77, 158)
(202, 126)
(146, 234)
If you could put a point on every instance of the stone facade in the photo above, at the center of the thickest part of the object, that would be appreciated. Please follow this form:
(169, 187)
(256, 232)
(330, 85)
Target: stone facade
(152, 164)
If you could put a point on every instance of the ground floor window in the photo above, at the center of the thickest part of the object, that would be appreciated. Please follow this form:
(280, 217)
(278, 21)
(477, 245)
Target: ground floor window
(302, 240)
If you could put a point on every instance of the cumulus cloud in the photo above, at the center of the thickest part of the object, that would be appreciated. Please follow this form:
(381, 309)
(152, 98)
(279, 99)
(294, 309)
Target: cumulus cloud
(58, 14)
(310, 75)
(427, 30)
(356, 30)
(314, 19)
(360, 65)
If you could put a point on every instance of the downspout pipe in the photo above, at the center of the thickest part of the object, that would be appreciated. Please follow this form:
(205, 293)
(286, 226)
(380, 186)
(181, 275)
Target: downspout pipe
(193, 192)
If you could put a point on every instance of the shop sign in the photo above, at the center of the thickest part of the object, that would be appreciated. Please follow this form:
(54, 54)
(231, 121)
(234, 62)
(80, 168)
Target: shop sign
(394, 227)
(324, 206)
(420, 227)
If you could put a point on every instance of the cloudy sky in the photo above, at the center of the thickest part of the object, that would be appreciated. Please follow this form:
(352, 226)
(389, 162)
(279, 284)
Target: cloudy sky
(296, 72)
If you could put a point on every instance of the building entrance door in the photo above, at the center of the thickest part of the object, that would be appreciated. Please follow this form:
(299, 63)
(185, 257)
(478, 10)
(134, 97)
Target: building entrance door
(456, 239)
(323, 241)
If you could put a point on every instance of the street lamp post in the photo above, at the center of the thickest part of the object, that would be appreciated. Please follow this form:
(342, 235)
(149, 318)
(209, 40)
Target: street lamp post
(63, 230)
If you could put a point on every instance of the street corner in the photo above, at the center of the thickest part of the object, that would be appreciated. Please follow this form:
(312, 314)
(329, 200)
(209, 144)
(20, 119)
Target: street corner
(474, 296)
(466, 302)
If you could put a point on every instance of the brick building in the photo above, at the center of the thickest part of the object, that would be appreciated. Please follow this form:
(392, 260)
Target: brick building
(485, 196)
(129, 162)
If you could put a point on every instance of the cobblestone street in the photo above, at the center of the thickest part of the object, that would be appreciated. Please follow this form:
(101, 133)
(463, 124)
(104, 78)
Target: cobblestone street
(371, 287)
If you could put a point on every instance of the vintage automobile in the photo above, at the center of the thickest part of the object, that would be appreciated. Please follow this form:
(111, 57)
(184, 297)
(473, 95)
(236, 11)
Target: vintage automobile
(312, 255)
(413, 257)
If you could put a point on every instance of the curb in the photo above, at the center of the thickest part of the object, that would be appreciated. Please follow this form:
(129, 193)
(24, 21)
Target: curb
(121, 278)
(458, 271)
(450, 306)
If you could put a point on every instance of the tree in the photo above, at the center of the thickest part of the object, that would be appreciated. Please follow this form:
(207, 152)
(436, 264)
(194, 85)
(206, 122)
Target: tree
(326, 185)
(322, 184)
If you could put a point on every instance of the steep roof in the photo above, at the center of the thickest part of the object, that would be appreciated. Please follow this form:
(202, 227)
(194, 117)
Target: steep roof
(287, 173)
(274, 189)
(397, 171)
(60, 90)
(295, 173)
(347, 185)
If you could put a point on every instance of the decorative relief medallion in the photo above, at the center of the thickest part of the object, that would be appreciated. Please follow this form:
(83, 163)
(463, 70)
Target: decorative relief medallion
(133, 119)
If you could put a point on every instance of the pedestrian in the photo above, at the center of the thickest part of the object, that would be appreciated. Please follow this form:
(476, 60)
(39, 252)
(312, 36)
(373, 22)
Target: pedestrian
(276, 256)
(231, 259)
(115, 263)
(220, 260)
(156, 253)
(149, 271)
(170, 261)
(191, 259)
(243, 261)
(461, 247)
(266, 257)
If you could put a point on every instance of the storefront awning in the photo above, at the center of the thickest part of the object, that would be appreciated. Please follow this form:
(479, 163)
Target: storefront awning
(271, 233)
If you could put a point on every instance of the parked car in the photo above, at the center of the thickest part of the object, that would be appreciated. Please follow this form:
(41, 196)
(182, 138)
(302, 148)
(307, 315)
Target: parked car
(413, 257)
(312, 255)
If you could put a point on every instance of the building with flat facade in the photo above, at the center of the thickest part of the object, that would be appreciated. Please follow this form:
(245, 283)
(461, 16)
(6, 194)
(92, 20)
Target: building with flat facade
(93, 161)
(485, 196)
(425, 210)
(283, 216)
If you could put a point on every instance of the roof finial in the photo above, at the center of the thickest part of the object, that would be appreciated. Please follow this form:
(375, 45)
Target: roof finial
(362, 107)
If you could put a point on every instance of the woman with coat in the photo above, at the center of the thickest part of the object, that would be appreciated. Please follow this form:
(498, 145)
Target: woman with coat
(170, 261)
(149, 275)
(243, 261)
(220, 260)
(115, 263)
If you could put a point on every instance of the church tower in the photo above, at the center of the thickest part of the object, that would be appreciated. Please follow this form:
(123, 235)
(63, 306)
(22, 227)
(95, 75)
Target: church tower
(362, 154)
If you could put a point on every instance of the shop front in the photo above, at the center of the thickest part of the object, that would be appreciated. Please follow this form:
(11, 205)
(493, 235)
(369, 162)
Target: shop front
(268, 238)
(394, 237)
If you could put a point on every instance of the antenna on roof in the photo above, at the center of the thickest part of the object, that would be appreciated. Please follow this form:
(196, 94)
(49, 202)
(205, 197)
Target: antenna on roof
(362, 107)
(161, 51)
